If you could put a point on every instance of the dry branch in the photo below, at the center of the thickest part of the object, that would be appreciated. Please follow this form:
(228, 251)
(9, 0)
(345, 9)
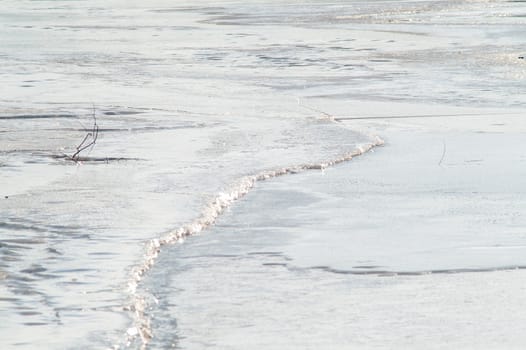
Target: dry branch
(89, 140)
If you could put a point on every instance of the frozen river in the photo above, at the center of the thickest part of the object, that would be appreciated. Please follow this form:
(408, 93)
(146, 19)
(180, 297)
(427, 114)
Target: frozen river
(233, 125)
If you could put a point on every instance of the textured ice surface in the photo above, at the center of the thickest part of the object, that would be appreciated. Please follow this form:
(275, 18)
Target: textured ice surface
(415, 245)
(190, 98)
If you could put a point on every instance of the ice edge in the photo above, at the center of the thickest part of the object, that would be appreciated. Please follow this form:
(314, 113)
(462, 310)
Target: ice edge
(138, 305)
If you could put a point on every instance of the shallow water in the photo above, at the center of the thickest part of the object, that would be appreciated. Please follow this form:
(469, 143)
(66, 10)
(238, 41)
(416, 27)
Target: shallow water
(191, 101)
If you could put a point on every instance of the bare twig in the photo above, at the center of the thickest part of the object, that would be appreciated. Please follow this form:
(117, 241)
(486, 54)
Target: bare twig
(89, 140)
(443, 153)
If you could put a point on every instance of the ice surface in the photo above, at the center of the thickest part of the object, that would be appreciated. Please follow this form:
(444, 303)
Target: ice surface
(191, 98)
